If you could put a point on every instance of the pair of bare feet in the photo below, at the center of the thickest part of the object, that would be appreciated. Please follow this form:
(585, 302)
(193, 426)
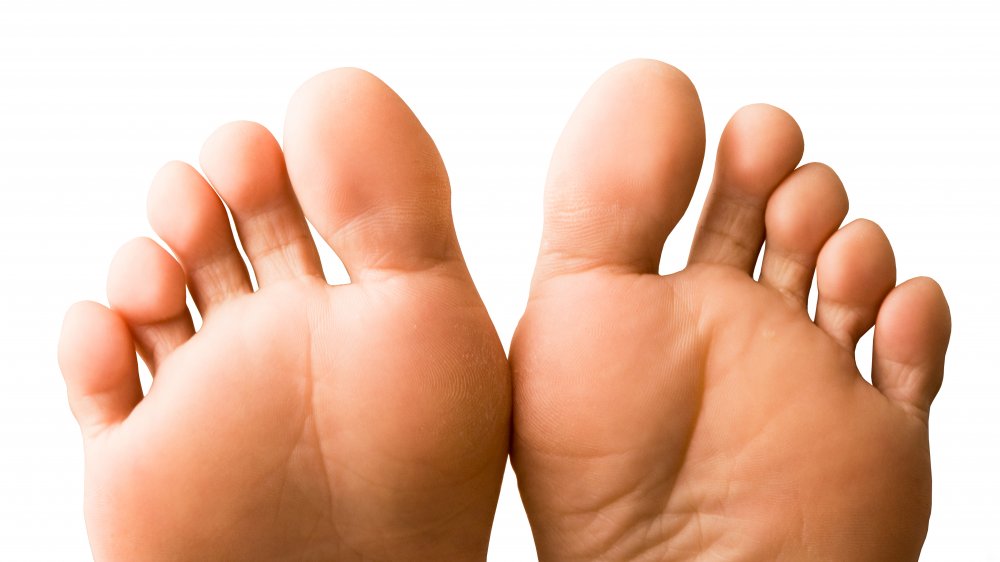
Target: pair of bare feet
(698, 414)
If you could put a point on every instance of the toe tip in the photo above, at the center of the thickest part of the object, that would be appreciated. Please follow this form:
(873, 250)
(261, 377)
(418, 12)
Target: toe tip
(341, 82)
(145, 283)
(645, 70)
(760, 145)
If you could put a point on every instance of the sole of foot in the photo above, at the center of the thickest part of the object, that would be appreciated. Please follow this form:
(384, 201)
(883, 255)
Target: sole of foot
(705, 413)
(303, 420)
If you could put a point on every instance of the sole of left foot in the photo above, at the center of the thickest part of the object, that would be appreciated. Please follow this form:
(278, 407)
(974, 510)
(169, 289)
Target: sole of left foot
(704, 414)
(302, 421)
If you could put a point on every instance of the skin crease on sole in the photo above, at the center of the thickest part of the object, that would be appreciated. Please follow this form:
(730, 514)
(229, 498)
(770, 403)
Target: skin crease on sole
(703, 415)
(304, 421)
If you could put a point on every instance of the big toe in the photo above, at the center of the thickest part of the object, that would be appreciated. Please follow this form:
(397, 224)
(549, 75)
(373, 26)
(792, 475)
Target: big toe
(368, 175)
(623, 171)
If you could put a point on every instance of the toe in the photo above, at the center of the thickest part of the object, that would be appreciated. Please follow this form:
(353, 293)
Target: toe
(146, 288)
(623, 171)
(911, 337)
(805, 210)
(247, 168)
(97, 359)
(759, 147)
(187, 214)
(856, 269)
(368, 175)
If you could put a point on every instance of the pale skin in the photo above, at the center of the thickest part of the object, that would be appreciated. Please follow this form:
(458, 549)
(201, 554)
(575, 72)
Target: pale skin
(303, 421)
(698, 415)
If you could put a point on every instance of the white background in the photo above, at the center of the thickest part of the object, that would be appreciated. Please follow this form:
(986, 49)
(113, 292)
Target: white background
(901, 98)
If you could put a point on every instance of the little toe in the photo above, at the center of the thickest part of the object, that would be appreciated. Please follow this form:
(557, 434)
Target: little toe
(368, 175)
(856, 269)
(623, 172)
(187, 214)
(246, 167)
(759, 147)
(97, 360)
(146, 288)
(805, 210)
(911, 338)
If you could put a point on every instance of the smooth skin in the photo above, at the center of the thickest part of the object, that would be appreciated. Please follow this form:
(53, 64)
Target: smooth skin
(303, 421)
(704, 415)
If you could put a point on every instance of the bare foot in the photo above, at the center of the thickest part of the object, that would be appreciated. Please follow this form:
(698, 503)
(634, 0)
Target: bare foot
(303, 421)
(704, 414)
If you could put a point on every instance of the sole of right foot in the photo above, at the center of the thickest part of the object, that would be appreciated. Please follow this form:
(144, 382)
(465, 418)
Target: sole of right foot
(303, 421)
(705, 414)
